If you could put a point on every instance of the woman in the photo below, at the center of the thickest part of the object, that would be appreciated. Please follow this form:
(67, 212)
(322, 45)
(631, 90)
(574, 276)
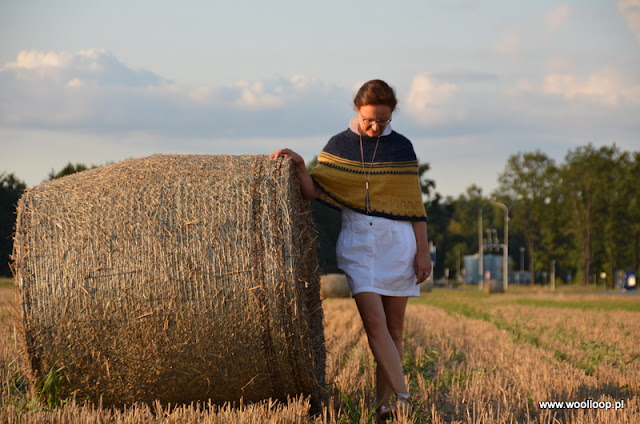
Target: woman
(370, 172)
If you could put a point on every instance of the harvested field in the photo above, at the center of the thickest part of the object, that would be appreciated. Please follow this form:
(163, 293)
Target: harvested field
(470, 358)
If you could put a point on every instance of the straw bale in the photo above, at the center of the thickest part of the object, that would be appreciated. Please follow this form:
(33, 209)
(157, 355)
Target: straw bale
(493, 286)
(426, 286)
(173, 277)
(334, 285)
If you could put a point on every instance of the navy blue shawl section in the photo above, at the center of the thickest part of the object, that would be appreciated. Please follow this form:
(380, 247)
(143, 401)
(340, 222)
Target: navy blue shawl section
(392, 148)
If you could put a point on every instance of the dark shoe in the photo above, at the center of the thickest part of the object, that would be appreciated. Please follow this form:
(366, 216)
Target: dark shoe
(383, 413)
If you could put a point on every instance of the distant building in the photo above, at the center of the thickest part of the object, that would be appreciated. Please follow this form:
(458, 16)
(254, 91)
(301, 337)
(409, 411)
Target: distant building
(491, 264)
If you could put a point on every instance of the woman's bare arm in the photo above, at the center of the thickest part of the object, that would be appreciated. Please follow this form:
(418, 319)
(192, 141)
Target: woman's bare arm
(422, 263)
(308, 188)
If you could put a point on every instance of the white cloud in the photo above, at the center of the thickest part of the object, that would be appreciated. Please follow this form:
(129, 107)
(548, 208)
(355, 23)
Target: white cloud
(630, 10)
(556, 18)
(32, 59)
(429, 102)
(522, 85)
(94, 66)
(93, 90)
(76, 82)
(605, 88)
(254, 96)
(509, 43)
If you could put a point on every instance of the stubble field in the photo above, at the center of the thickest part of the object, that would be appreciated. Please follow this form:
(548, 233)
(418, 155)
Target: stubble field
(469, 358)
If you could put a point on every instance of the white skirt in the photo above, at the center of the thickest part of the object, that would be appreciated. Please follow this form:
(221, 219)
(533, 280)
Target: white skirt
(377, 254)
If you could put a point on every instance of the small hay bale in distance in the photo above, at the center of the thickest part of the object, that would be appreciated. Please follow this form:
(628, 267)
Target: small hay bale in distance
(334, 285)
(176, 278)
(426, 286)
(493, 286)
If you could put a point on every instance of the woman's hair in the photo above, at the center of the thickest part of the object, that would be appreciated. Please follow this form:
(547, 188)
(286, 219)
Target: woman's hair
(375, 92)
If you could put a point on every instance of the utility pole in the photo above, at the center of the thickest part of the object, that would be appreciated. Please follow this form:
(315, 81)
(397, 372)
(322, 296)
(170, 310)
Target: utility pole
(480, 250)
(505, 256)
(457, 265)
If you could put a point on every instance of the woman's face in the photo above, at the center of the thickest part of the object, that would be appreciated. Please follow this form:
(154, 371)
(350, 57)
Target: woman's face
(372, 119)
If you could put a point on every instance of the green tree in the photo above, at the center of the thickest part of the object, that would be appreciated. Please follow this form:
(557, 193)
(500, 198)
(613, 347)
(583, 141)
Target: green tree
(621, 220)
(11, 189)
(527, 184)
(68, 170)
(632, 204)
(459, 226)
(556, 238)
(427, 185)
(588, 175)
(439, 214)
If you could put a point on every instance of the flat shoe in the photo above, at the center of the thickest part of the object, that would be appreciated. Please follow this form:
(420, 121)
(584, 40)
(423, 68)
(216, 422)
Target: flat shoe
(383, 414)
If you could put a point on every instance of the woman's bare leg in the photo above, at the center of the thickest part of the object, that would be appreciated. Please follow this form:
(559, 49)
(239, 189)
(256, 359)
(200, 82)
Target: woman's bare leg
(394, 308)
(377, 312)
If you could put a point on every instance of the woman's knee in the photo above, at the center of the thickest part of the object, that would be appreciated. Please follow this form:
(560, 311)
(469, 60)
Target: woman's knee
(374, 322)
(396, 332)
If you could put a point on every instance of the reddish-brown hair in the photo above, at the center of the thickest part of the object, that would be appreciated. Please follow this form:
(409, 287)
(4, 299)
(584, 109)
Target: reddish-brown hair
(375, 92)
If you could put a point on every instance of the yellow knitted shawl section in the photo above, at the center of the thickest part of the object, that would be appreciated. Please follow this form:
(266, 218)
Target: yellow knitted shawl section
(394, 188)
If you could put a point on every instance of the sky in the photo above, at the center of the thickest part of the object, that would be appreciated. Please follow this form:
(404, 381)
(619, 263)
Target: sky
(478, 81)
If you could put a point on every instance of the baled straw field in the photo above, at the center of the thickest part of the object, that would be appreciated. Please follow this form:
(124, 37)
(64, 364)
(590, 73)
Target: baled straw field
(469, 357)
(176, 278)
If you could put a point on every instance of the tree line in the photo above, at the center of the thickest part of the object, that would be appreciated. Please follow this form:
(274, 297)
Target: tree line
(582, 214)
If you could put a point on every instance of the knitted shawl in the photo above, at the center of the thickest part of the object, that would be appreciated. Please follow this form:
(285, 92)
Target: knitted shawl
(394, 189)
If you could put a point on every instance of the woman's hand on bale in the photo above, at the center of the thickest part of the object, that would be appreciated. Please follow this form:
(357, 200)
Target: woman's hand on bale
(288, 153)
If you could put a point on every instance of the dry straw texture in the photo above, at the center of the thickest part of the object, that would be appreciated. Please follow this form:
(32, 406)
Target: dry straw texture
(176, 278)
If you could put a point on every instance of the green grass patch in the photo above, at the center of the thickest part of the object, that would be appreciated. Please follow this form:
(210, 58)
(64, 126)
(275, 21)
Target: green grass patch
(452, 299)
(477, 305)
(596, 303)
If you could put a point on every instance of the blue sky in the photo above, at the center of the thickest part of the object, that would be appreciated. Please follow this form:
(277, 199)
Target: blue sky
(477, 81)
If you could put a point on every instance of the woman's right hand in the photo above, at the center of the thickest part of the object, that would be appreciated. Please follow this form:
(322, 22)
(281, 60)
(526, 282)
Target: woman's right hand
(288, 153)
(308, 188)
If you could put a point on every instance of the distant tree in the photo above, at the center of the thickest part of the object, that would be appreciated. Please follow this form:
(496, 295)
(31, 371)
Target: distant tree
(426, 184)
(527, 184)
(556, 236)
(68, 170)
(440, 213)
(632, 205)
(588, 175)
(456, 233)
(313, 163)
(10, 191)
(621, 220)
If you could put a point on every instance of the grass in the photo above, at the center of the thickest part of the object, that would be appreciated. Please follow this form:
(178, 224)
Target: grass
(469, 357)
(572, 297)
(606, 304)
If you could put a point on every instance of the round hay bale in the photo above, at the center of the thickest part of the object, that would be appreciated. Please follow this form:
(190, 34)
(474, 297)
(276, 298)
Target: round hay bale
(492, 286)
(426, 286)
(174, 277)
(334, 285)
